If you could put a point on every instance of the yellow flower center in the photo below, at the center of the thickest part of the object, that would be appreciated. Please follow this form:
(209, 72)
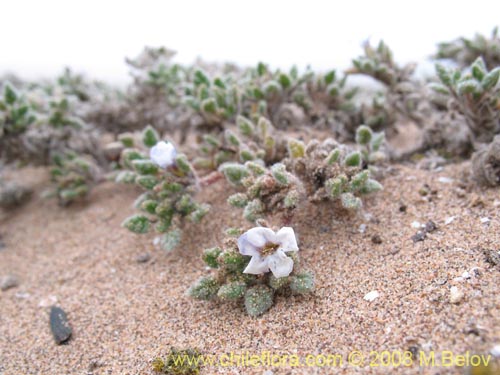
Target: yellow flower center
(269, 248)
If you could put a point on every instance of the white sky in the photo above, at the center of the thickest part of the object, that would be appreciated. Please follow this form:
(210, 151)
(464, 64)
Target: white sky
(40, 37)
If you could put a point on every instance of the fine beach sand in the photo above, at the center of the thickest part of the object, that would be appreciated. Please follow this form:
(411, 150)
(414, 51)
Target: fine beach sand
(125, 313)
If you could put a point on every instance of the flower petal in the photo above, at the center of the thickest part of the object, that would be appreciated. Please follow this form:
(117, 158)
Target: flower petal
(245, 247)
(280, 264)
(259, 236)
(163, 154)
(287, 240)
(257, 265)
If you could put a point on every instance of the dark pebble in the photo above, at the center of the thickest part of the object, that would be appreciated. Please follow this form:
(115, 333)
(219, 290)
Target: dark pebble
(403, 208)
(419, 236)
(143, 258)
(59, 325)
(430, 226)
(9, 281)
(376, 239)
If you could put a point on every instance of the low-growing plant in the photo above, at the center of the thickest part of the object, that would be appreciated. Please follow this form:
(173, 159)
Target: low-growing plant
(332, 171)
(253, 269)
(403, 95)
(465, 51)
(169, 182)
(477, 96)
(250, 141)
(266, 190)
(73, 177)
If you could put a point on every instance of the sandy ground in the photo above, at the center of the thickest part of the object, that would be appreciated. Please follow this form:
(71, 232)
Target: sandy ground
(125, 313)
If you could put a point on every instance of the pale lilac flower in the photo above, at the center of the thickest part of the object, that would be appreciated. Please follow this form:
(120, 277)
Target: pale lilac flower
(163, 154)
(268, 249)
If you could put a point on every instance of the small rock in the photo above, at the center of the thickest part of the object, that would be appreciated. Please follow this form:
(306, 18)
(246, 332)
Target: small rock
(416, 224)
(376, 239)
(456, 295)
(22, 295)
(403, 207)
(445, 180)
(9, 281)
(449, 220)
(49, 301)
(59, 325)
(485, 220)
(113, 150)
(143, 258)
(419, 236)
(495, 351)
(370, 297)
(430, 226)
(13, 195)
(362, 228)
(492, 257)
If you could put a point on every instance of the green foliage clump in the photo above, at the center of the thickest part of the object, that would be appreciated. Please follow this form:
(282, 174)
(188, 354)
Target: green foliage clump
(257, 292)
(402, 95)
(266, 190)
(465, 51)
(477, 95)
(168, 195)
(72, 176)
(329, 170)
(16, 114)
(249, 141)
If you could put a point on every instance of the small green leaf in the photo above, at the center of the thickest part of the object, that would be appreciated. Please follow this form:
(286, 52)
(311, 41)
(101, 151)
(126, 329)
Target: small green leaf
(210, 256)
(150, 136)
(330, 77)
(296, 148)
(232, 291)
(353, 159)
(279, 173)
(284, 80)
(147, 182)
(10, 94)
(443, 75)
(239, 200)
(209, 106)
(302, 283)
(137, 224)
(258, 300)
(145, 167)
(350, 202)
(245, 126)
(234, 172)
(478, 69)
(205, 288)
(364, 135)
(490, 80)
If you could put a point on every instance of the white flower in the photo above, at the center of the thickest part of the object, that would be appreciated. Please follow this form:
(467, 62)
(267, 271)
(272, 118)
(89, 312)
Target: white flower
(268, 249)
(163, 154)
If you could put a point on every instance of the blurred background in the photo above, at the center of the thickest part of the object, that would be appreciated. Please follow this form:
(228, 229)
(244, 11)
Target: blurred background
(40, 38)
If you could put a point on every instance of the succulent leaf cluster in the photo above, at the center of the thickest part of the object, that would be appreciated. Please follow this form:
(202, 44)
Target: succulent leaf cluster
(168, 195)
(465, 51)
(73, 177)
(332, 171)
(477, 95)
(255, 141)
(403, 96)
(266, 190)
(228, 282)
